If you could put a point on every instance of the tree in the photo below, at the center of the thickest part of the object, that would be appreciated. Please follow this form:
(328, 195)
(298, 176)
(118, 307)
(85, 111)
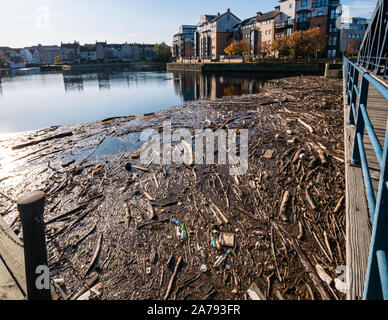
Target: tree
(296, 44)
(238, 48)
(315, 42)
(353, 47)
(266, 49)
(306, 44)
(163, 52)
(58, 60)
(281, 46)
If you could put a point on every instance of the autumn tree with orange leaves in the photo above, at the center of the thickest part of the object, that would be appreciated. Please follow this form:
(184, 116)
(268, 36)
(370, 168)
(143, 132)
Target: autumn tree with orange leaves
(281, 46)
(306, 44)
(238, 48)
(353, 47)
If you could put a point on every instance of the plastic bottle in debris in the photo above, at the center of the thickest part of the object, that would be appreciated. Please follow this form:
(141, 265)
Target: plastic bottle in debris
(176, 222)
(179, 234)
(184, 231)
(219, 261)
(214, 242)
(203, 254)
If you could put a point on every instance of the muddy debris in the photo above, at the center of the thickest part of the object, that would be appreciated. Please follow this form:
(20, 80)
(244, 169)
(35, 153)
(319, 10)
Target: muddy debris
(276, 232)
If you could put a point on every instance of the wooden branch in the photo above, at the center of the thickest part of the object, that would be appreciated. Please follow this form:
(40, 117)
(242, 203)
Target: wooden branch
(32, 143)
(95, 256)
(311, 272)
(173, 278)
(311, 129)
(283, 206)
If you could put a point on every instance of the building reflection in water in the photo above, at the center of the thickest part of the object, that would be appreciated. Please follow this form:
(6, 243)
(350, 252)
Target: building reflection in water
(209, 86)
(190, 86)
(73, 83)
(107, 79)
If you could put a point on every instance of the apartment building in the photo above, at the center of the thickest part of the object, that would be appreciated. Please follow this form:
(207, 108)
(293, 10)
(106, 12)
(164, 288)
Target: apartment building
(70, 52)
(183, 42)
(48, 53)
(352, 30)
(259, 30)
(88, 53)
(309, 14)
(216, 33)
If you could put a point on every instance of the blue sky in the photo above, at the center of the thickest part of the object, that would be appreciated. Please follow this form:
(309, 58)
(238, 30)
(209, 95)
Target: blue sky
(28, 22)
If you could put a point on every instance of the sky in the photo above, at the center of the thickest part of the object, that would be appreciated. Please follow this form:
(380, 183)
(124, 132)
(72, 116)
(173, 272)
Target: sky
(29, 22)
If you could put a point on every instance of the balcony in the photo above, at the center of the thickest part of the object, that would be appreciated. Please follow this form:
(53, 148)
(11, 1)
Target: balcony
(280, 35)
(284, 24)
(280, 25)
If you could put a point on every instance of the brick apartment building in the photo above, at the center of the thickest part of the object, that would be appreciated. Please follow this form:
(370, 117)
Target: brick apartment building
(258, 31)
(309, 14)
(215, 34)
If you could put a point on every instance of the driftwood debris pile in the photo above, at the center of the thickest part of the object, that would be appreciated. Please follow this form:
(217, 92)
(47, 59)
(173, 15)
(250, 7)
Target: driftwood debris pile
(276, 232)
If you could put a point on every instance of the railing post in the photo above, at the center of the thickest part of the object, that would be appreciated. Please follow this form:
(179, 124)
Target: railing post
(360, 124)
(353, 96)
(373, 289)
(31, 207)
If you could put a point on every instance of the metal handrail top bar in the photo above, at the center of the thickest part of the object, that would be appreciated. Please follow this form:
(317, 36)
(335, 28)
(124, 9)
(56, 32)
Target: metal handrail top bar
(381, 87)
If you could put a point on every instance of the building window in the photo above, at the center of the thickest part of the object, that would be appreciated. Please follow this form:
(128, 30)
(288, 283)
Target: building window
(333, 40)
(321, 3)
(303, 17)
(333, 28)
(303, 4)
(320, 14)
(332, 53)
(290, 6)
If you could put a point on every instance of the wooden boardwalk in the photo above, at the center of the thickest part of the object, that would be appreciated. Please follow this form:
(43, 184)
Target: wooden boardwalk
(12, 272)
(358, 225)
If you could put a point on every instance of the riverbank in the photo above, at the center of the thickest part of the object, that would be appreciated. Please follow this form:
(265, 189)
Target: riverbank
(134, 65)
(97, 208)
(138, 65)
(270, 67)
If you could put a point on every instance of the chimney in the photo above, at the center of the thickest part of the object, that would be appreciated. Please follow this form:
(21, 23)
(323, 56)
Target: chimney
(218, 14)
(228, 10)
(259, 13)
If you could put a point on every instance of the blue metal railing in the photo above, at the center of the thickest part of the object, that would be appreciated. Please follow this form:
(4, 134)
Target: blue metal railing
(358, 82)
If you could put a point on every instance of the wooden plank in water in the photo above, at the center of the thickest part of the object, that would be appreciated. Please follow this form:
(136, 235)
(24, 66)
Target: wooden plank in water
(358, 230)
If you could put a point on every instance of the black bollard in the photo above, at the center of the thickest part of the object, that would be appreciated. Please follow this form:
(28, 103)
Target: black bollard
(31, 208)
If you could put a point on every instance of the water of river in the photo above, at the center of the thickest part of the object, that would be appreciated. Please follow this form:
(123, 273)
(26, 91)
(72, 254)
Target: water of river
(34, 100)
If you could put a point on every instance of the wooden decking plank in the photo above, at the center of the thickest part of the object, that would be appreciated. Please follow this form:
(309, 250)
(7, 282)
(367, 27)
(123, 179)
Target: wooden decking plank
(11, 250)
(358, 231)
(9, 290)
(12, 255)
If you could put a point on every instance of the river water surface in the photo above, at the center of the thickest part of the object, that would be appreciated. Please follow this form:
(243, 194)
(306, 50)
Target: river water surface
(34, 100)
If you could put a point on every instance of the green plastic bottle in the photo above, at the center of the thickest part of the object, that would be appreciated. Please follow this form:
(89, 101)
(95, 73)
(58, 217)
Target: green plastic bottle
(184, 231)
